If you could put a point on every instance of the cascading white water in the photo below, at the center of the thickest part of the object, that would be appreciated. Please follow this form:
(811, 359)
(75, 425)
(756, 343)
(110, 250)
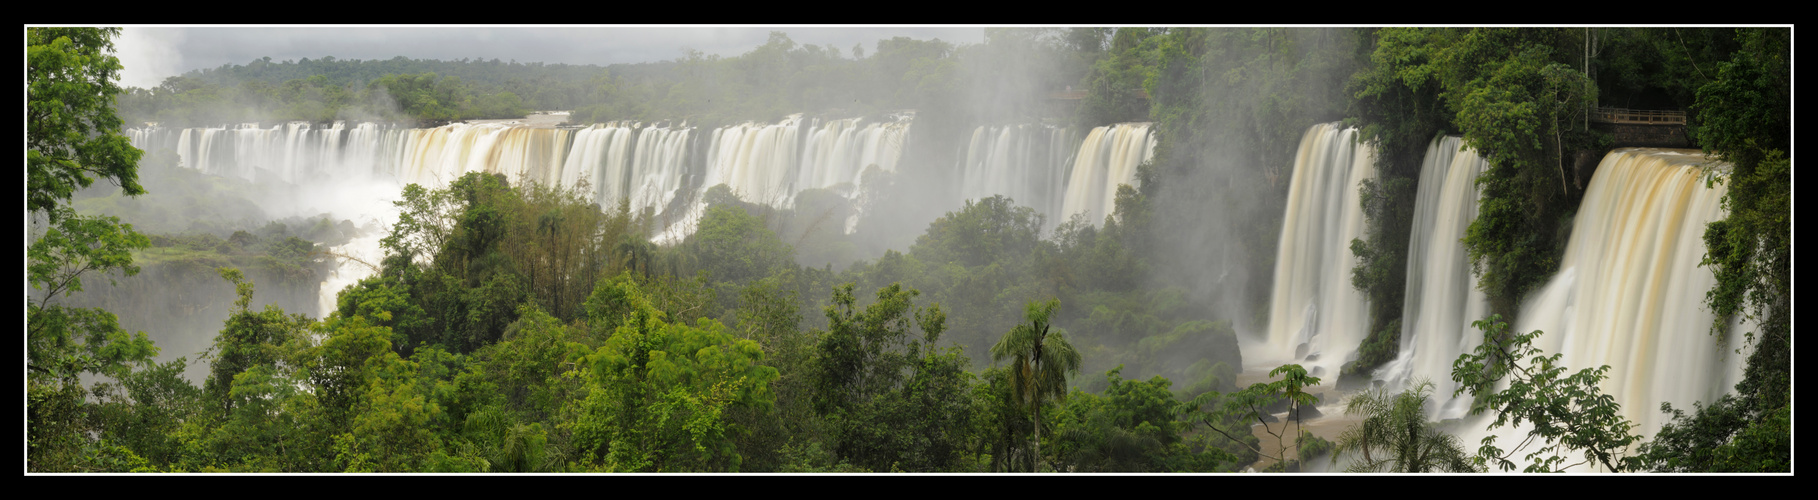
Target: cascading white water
(1028, 163)
(1441, 298)
(646, 165)
(293, 152)
(757, 160)
(532, 154)
(438, 156)
(1630, 291)
(590, 154)
(1313, 301)
(648, 171)
(761, 162)
(1106, 159)
(838, 151)
(658, 166)
(355, 260)
(770, 162)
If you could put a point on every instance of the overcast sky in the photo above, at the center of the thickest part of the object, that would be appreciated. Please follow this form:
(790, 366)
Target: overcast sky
(153, 53)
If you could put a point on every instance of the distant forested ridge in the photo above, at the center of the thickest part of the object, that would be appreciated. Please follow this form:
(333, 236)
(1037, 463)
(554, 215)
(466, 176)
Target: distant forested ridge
(774, 79)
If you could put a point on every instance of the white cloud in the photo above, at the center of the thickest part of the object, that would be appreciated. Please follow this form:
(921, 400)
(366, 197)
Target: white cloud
(149, 55)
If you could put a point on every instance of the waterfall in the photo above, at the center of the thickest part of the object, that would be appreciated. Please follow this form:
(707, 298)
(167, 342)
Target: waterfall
(1630, 291)
(837, 153)
(1107, 158)
(532, 154)
(1052, 170)
(293, 152)
(355, 260)
(1313, 302)
(757, 160)
(769, 163)
(1442, 298)
(646, 165)
(436, 157)
(658, 166)
(1028, 163)
(643, 164)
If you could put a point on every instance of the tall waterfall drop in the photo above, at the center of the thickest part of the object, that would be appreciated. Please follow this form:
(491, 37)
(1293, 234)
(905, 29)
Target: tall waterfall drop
(770, 162)
(1053, 170)
(1442, 298)
(644, 164)
(1313, 302)
(836, 152)
(1630, 291)
(1107, 158)
(1027, 163)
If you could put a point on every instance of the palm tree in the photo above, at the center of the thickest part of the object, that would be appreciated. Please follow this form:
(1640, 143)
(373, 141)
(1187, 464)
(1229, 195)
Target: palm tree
(1395, 434)
(1040, 358)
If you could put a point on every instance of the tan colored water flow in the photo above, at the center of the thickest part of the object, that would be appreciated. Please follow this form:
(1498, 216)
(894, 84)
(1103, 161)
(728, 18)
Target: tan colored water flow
(1630, 293)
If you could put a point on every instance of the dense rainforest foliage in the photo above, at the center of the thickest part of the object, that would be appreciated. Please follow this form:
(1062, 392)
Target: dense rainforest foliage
(1745, 115)
(519, 327)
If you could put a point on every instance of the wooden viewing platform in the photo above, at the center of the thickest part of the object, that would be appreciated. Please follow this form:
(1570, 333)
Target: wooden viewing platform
(1632, 128)
(1638, 116)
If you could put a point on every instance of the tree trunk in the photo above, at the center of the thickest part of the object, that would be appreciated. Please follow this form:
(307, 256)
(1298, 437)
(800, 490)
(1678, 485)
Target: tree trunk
(1295, 408)
(1035, 386)
(1036, 463)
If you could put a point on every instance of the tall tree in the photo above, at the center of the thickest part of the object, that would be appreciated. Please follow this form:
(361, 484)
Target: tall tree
(72, 134)
(660, 391)
(72, 137)
(892, 401)
(1040, 360)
